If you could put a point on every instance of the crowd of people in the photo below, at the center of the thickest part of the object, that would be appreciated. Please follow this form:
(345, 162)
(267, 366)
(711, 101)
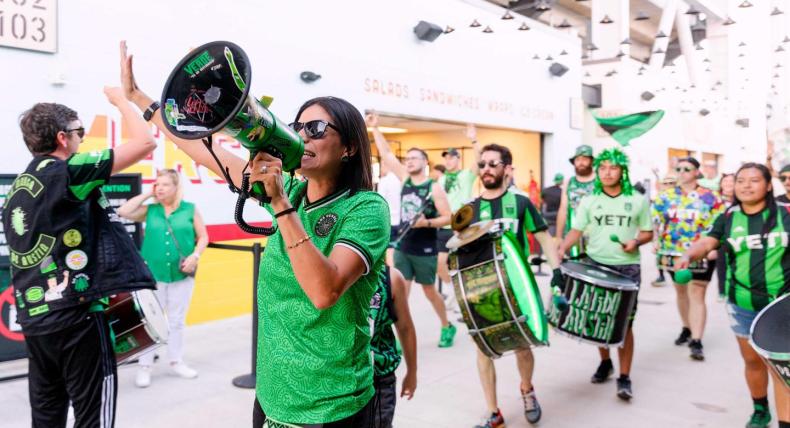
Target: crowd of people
(344, 255)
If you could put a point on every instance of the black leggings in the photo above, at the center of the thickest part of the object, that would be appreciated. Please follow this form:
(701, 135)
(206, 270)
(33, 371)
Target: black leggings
(361, 419)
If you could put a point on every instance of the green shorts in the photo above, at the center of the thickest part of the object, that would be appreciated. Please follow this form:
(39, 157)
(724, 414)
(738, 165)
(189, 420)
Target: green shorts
(419, 268)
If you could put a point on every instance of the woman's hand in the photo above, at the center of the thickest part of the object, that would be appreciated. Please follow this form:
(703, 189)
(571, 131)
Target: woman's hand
(409, 385)
(267, 169)
(189, 264)
(130, 88)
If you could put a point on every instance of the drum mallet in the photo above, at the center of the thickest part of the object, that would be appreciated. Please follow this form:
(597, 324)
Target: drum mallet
(616, 239)
(682, 276)
(559, 299)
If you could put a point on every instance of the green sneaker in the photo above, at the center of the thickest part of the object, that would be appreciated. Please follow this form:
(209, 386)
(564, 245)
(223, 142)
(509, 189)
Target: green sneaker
(447, 336)
(761, 418)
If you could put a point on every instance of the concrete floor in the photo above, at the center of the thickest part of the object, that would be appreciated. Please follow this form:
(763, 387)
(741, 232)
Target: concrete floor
(670, 390)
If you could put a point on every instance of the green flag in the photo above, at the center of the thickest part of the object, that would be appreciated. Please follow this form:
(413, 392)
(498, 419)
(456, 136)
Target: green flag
(625, 128)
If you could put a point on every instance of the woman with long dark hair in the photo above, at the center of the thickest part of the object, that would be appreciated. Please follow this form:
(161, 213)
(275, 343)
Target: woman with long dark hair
(753, 235)
(319, 270)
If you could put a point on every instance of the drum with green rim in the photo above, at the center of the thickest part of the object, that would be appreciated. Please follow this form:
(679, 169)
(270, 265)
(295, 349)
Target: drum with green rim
(770, 336)
(498, 295)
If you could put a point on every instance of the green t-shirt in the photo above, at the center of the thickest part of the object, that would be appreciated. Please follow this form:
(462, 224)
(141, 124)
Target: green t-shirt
(762, 264)
(315, 366)
(601, 216)
(160, 251)
(459, 186)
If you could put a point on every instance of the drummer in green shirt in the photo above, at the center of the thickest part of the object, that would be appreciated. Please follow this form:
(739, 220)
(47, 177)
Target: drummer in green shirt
(613, 210)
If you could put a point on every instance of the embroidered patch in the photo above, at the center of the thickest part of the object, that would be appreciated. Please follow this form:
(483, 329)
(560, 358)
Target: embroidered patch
(81, 282)
(76, 260)
(72, 238)
(19, 221)
(628, 206)
(325, 224)
(34, 294)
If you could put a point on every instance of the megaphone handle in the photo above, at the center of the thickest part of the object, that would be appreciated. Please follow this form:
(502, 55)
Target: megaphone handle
(239, 214)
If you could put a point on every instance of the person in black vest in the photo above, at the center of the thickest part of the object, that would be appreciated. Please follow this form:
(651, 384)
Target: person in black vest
(69, 250)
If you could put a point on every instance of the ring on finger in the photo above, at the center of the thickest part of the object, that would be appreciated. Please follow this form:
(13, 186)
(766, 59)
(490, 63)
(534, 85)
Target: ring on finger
(264, 169)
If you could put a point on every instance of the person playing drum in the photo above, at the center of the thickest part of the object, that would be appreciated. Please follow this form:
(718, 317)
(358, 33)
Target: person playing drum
(753, 234)
(681, 214)
(614, 211)
(515, 210)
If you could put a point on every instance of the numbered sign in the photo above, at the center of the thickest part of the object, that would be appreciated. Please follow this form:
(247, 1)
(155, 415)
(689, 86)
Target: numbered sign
(29, 24)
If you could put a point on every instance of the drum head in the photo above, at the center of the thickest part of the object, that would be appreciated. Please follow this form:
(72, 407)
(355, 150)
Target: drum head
(470, 234)
(152, 314)
(205, 90)
(597, 275)
(769, 332)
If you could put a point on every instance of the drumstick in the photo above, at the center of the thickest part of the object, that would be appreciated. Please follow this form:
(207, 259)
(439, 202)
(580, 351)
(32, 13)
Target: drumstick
(616, 239)
(559, 300)
(683, 276)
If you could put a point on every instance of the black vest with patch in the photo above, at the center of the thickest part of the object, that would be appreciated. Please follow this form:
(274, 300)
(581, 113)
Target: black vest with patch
(64, 251)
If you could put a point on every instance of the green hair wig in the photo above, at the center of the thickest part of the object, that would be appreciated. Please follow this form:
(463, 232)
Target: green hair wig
(614, 156)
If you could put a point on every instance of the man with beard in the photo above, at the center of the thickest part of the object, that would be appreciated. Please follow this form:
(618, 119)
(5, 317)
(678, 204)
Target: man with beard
(614, 209)
(577, 187)
(515, 211)
(424, 209)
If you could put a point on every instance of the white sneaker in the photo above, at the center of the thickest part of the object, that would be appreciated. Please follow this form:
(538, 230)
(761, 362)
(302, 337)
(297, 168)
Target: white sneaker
(143, 377)
(183, 370)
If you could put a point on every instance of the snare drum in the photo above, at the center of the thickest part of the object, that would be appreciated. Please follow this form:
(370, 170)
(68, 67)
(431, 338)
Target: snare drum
(137, 323)
(496, 291)
(600, 302)
(770, 336)
(666, 262)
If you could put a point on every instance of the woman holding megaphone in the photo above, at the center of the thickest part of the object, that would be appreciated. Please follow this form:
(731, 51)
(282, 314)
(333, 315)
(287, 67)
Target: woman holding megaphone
(753, 235)
(319, 270)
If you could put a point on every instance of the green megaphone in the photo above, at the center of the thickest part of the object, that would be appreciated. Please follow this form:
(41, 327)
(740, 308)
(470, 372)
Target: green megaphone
(208, 92)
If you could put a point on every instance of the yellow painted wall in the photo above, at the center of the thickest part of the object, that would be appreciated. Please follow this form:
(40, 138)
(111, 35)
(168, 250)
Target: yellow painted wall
(223, 285)
(525, 147)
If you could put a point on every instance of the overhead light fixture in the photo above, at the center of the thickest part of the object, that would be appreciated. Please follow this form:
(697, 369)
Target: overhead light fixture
(592, 47)
(670, 64)
(741, 55)
(309, 76)
(659, 51)
(549, 58)
(741, 44)
(474, 24)
(557, 70)
(563, 52)
(704, 112)
(776, 76)
(778, 66)
(786, 39)
(586, 74)
(692, 10)
(542, 6)
(779, 49)
(728, 21)
(620, 54)
(642, 68)
(507, 15)
(627, 41)
(641, 16)
(606, 20)
(585, 56)
(564, 24)
(707, 69)
(745, 4)
(448, 30)
(706, 60)
(427, 31)
(390, 130)
(523, 27)
(536, 56)
(488, 30)
(660, 35)
(776, 11)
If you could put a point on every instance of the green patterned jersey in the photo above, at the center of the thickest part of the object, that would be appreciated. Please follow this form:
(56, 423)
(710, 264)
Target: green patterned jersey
(514, 208)
(761, 263)
(459, 186)
(386, 356)
(576, 190)
(315, 366)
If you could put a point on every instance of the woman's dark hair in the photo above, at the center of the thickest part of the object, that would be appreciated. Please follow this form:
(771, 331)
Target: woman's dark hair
(770, 202)
(356, 174)
(441, 168)
(40, 126)
(504, 152)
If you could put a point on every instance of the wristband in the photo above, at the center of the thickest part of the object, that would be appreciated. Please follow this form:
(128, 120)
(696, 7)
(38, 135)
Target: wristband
(149, 112)
(284, 212)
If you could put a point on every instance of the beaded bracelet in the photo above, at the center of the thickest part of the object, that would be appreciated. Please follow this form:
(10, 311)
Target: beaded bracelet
(299, 242)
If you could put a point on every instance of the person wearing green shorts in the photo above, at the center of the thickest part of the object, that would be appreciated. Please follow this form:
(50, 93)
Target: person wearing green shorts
(753, 234)
(424, 209)
(614, 209)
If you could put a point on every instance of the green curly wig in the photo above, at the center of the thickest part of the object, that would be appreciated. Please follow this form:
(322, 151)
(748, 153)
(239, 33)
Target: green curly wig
(616, 157)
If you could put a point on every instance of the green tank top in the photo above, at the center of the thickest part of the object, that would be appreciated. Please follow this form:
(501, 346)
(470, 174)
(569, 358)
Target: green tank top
(576, 191)
(159, 246)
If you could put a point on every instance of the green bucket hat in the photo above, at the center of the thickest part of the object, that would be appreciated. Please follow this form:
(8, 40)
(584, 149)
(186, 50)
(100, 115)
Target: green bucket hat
(583, 150)
(558, 177)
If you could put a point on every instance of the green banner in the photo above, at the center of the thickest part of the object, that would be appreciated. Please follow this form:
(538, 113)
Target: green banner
(625, 128)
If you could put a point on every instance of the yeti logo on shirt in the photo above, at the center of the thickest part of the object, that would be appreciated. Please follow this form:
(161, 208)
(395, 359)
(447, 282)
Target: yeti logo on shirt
(756, 242)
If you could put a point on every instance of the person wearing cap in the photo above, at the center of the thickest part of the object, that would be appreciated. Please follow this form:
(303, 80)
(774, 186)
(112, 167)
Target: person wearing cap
(784, 176)
(458, 183)
(710, 175)
(681, 215)
(577, 187)
(551, 197)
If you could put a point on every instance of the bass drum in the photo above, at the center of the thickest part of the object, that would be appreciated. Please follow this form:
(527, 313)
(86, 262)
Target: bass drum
(497, 293)
(137, 323)
(770, 336)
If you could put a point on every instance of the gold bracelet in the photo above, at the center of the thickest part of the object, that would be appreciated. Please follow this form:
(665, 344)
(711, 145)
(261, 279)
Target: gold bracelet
(299, 242)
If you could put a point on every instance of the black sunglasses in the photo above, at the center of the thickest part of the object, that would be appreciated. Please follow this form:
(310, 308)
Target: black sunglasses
(80, 131)
(784, 177)
(491, 164)
(314, 129)
(683, 169)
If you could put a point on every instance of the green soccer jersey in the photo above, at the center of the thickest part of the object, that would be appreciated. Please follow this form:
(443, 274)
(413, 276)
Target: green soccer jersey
(601, 216)
(758, 263)
(514, 208)
(315, 366)
(459, 186)
(576, 190)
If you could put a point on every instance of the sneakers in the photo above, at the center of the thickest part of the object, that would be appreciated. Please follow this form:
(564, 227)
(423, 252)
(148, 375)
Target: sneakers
(659, 282)
(531, 406)
(605, 369)
(143, 377)
(684, 337)
(696, 350)
(761, 418)
(447, 336)
(624, 388)
(182, 370)
(494, 421)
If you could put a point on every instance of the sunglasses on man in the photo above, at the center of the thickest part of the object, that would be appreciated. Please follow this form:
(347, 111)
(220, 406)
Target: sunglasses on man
(491, 164)
(684, 169)
(80, 131)
(784, 177)
(314, 129)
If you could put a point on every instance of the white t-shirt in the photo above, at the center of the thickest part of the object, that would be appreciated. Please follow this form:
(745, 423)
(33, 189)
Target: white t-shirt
(389, 188)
